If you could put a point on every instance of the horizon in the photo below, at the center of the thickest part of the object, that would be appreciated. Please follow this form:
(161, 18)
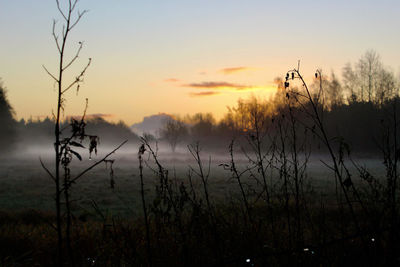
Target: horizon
(183, 58)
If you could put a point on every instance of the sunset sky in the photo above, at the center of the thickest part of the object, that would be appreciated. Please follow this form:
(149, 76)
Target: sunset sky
(185, 56)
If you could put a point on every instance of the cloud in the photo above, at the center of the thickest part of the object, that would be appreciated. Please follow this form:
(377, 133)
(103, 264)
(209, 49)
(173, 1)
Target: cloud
(92, 116)
(206, 93)
(171, 80)
(218, 85)
(233, 70)
(101, 115)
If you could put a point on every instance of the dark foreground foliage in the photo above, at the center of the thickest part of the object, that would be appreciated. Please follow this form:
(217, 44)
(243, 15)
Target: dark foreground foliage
(27, 239)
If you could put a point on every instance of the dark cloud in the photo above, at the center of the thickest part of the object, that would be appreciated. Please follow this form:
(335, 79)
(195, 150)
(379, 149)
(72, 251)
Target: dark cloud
(206, 93)
(218, 85)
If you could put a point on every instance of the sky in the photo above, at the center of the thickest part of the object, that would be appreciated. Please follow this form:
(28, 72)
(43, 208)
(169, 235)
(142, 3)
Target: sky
(184, 56)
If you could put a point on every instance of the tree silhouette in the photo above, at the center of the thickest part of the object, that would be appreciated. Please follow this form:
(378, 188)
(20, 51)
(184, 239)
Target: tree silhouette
(369, 80)
(173, 132)
(7, 121)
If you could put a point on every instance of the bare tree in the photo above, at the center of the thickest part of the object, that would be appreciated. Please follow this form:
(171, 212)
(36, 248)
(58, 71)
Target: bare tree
(385, 86)
(368, 67)
(173, 132)
(334, 92)
(349, 79)
(361, 81)
(369, 80)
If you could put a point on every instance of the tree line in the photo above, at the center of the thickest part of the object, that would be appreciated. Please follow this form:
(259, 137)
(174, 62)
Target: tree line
(354, 107)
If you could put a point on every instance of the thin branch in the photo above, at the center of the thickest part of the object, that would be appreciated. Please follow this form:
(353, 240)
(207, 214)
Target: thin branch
(60, 10)
(328, 166)
(85, 110)
(75, 57)
(64, 33)
(55, 36)
(47, 170)
(209, 168)
(73, 5)
(97, 163)
(51, 75)
(194, 171)
(78, 78)
(80, 15)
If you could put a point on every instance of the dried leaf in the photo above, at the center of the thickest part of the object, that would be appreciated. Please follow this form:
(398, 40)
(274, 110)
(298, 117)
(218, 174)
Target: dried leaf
(73, 143)
(93, 144)
(142, 149)
(76, 154)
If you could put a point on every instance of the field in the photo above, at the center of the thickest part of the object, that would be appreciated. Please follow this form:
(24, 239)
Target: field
(109, 224)
(24, 184)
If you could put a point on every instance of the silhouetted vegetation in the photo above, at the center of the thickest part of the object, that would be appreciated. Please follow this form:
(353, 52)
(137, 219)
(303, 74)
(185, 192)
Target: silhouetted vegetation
(69, 140)
(7, 122)
(40, 132)
(259, 205)
(353, 110)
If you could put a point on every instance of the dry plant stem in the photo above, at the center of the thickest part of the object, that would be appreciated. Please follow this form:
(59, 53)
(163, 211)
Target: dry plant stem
(393, 186)
(161, 171)
(73, 180)
(284, 172)
(62, 149)
(146, 219)
(193, 191)
(258, 151)
(195, 151)
(257, 146)
(396, 158)
(61, 70)
(317, 119)
(390, 154)
(237, 176)
(162, 191)
(295, 162)
(68, 210)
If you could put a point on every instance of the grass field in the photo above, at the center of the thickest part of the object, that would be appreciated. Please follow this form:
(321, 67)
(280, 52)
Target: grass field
(25, 185)
(109, 226)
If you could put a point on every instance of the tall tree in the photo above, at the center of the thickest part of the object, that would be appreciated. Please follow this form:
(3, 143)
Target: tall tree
(7, 121)
(350, 84)
(173, 132)
(369, 67)
(369, 80)
(334, 92)
(362, 81)
(385, 86)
